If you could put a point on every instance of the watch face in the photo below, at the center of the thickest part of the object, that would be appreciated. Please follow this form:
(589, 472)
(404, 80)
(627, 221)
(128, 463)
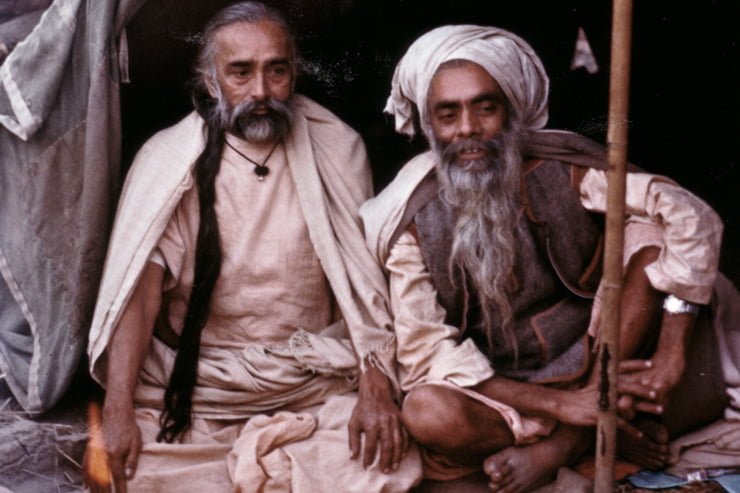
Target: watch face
(673, 304)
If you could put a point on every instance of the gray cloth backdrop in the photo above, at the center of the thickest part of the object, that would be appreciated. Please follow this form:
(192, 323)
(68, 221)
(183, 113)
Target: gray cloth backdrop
(59, 172)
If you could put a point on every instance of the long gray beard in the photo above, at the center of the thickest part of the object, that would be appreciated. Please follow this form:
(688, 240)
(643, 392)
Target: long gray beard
(241, 120)
(484, 243)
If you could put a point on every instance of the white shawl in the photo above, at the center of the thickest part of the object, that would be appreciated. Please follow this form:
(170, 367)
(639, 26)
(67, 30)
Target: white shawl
(329, 165)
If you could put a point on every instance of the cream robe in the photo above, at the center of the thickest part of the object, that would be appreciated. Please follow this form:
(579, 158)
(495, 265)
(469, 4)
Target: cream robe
(328, 168)
(332, 181)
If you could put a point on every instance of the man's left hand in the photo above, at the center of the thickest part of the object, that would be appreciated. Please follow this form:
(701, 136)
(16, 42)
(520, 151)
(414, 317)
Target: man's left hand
(644, 385)
(377, 416)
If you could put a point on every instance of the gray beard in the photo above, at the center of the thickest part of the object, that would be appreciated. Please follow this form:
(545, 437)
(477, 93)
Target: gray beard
(242, 121)
(484, 237)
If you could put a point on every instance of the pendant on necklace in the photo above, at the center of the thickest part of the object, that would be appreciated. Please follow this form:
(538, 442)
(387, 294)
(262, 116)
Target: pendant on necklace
(261, 171)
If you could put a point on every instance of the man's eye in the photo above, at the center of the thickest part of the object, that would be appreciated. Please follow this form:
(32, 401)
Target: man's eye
(446, 116)
(279, 71)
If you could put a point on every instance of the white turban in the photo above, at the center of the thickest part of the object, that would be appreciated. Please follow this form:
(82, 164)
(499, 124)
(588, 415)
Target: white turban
(507, 57)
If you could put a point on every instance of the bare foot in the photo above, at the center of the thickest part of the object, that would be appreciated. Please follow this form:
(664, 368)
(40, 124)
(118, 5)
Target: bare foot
(649, 451)
(522, 469)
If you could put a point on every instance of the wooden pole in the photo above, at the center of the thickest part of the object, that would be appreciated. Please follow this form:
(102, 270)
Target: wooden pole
(606, 430)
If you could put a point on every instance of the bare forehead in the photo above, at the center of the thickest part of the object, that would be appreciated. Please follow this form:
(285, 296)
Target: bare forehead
(253, 40)
(461, 80)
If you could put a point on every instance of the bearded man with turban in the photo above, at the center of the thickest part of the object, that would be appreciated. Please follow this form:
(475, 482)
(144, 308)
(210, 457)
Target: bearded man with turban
(491, 242)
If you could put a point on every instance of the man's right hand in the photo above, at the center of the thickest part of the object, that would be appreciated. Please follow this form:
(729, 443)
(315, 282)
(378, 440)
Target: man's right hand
(578, 407)
(122, 438)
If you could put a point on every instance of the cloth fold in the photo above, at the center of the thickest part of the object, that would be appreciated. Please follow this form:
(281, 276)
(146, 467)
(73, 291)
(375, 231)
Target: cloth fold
(329, 167)
(302, 451)
(236, 383)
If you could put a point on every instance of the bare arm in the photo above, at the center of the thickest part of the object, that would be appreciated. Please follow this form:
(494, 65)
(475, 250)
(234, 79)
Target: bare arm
(639, 312)
(645, 384)
(126, 352)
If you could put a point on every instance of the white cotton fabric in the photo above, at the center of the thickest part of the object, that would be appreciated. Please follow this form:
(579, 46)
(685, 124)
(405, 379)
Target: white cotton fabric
(507, 57)
(266, 249)
(329, 167)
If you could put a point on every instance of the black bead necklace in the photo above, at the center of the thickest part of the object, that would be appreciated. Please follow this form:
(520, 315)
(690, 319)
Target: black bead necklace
(261, 170)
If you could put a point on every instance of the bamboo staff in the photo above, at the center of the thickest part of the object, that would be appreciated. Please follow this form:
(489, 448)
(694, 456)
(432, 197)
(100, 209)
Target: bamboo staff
(608, 359)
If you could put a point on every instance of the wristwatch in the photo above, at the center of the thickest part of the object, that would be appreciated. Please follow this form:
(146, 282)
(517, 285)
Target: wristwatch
(673, 305)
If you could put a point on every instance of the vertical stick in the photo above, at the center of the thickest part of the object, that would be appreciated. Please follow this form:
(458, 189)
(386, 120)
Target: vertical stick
(606, 431)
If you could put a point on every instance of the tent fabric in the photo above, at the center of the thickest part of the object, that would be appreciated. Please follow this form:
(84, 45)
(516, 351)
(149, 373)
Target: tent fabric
(60, 146)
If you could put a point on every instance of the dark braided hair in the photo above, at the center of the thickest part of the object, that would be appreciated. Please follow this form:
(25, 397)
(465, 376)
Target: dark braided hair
(178, 398)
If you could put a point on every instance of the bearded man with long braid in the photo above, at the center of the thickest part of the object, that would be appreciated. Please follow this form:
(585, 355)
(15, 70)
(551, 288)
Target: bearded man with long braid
(240, 309)
(491, 244)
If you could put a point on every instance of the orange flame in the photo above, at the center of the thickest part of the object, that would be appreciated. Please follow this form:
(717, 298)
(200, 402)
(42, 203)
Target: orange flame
(96, 467)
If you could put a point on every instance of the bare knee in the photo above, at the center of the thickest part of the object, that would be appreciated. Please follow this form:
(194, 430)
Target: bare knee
(429, 414)
(448, 421)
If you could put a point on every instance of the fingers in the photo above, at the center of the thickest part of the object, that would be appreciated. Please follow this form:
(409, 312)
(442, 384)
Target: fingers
(371, 446)
(391, 441)
(399, 447)
(637, 389)
(628, 428)
(633, 365)
(133, 458)
(386, 448)
(625, 407)
(119, 477)
(117, 470)
(649, 407)
(354, 438)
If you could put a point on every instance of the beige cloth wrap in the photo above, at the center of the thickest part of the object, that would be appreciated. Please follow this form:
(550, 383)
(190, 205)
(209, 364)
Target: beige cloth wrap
(296, 452)
(238, 442)
(506, 56)
(332, 181)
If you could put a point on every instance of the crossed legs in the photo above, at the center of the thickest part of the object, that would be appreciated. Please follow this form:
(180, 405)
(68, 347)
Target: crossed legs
(470, 433)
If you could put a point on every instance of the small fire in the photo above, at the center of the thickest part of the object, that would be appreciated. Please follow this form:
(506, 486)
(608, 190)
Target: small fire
(97, 470)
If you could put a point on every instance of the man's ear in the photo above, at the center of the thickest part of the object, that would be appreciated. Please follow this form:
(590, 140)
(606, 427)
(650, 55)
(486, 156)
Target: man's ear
(211, 86)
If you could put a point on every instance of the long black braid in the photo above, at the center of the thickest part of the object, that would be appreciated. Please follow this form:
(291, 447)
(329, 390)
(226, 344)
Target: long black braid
(176, 416)
(178, 397)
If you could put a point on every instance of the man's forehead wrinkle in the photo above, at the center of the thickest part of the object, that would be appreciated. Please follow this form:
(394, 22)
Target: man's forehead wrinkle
(264, 37)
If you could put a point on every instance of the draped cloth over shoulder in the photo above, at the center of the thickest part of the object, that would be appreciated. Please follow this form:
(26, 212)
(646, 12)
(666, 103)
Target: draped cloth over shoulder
(329, 167)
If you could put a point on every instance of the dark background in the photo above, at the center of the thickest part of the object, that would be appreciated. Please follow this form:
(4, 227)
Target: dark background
(684, 93)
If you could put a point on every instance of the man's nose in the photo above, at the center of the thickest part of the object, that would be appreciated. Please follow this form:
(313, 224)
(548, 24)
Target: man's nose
(260, 91)
(469, 124)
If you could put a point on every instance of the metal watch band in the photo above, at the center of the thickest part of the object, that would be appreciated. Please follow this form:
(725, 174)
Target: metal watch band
(674, 305)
